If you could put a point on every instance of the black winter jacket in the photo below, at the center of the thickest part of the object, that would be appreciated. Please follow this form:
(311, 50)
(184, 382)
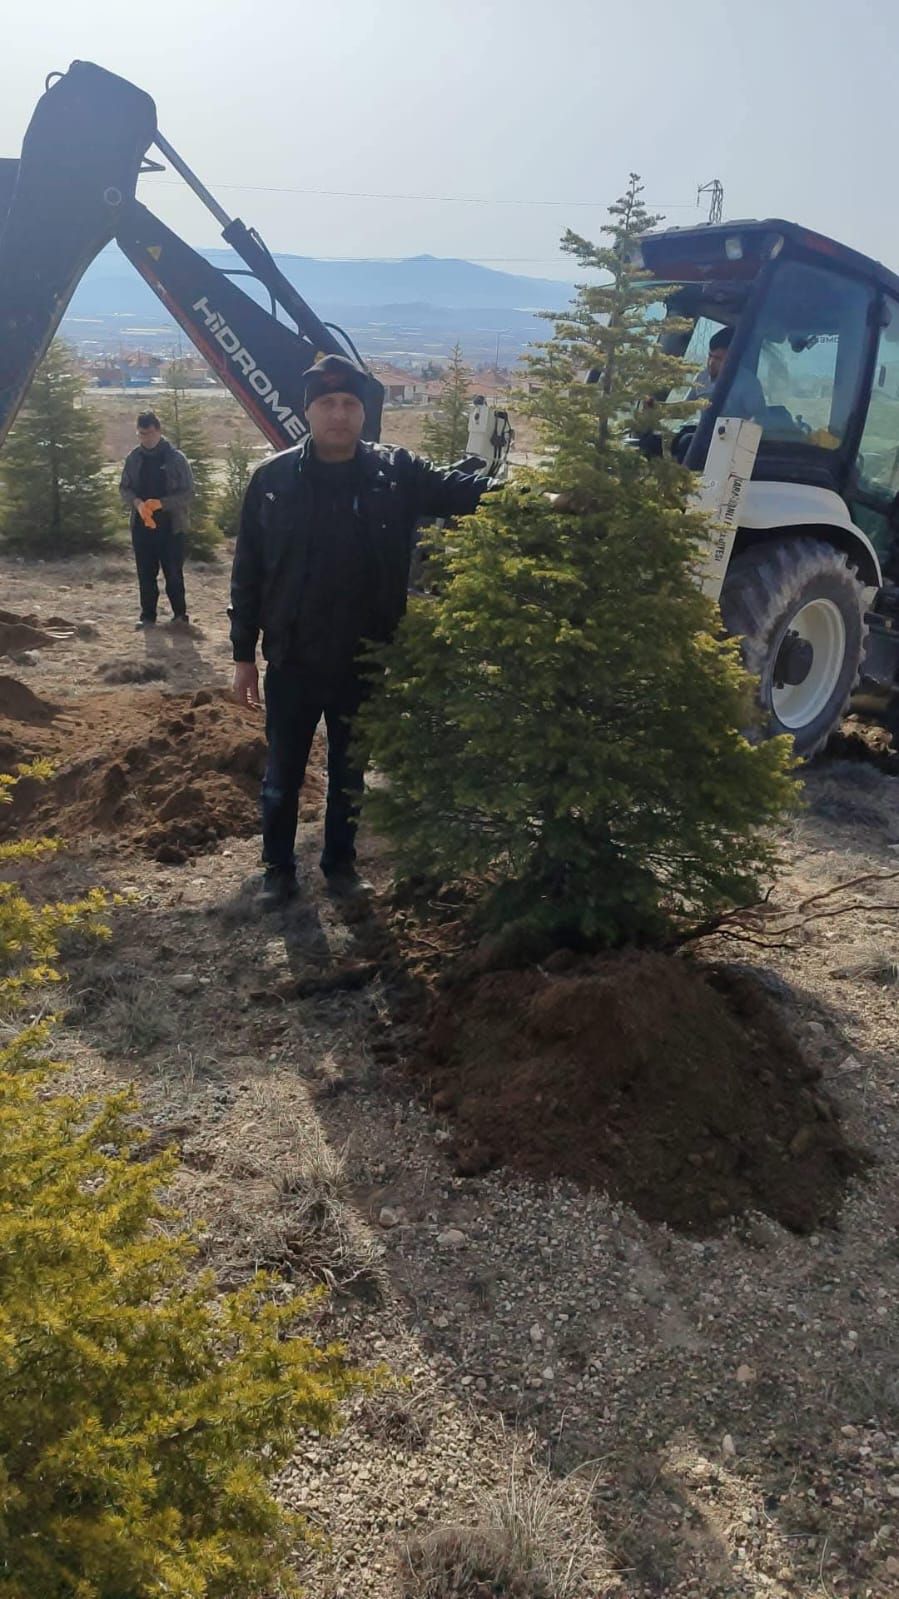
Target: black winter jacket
(179, 485)
(270, 559)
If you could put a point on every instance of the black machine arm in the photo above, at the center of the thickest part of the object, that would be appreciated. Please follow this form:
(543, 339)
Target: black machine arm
(257, 357)
(73, 191)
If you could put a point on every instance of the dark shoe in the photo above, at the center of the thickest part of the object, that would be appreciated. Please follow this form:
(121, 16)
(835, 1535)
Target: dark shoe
(344, 882)
(182, 620)
(145, 621)
(278, 888)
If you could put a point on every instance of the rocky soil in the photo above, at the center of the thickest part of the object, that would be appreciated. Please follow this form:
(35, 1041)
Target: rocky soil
(661, 1370)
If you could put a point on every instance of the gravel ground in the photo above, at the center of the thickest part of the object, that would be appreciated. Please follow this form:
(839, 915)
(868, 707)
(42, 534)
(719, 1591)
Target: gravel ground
(710, 1417)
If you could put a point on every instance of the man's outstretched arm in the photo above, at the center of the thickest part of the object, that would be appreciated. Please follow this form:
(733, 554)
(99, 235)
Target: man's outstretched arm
(445, 491)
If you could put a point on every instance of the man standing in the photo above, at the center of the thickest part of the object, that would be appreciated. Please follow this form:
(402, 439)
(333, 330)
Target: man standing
(156, 486)
(321, 565)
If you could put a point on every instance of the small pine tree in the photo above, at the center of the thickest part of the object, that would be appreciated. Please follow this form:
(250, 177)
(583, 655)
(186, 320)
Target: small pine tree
(238, 470)
(561, 720)
(183, 425)
(445, 433)
(56, 497)
(142, 1414)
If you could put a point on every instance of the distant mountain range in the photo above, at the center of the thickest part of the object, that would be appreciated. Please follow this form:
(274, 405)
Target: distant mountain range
(416, 307)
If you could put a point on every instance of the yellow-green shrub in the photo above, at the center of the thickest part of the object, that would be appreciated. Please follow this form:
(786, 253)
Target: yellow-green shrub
(30, 934)
(141, 1415)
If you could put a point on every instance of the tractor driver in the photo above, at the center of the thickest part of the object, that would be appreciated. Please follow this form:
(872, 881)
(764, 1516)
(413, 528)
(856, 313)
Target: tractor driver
(746, 397)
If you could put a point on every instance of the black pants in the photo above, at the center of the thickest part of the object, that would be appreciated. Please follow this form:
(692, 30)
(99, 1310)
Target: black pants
(293, 710)
(155, 547)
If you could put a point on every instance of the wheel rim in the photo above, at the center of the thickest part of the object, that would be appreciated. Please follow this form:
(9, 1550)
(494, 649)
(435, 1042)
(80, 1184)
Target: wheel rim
(821, 625)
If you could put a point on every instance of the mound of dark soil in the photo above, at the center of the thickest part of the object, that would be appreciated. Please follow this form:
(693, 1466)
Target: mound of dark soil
(19, 633)
(678, 1090)
(17, 636)
(24, 722)
(32, 620)
(19, 704)
(168, 774)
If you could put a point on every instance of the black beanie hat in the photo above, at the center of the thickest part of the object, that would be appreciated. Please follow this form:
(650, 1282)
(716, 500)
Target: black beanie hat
(333, 374)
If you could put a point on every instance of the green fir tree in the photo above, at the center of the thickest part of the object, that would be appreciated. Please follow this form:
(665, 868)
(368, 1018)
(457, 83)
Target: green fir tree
(445, 432)
(56, 496)
(238, 471)
(183, 425)
(560, 722)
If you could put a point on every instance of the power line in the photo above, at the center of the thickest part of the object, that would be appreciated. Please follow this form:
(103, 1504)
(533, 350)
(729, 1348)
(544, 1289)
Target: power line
(441, 199)
(400, 260)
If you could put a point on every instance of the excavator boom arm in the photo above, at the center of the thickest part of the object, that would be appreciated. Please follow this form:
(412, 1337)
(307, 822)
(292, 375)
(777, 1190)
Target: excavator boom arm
(73, 191)
(257, 357)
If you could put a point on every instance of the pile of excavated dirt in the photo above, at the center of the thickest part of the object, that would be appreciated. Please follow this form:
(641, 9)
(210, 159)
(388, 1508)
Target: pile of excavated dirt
(24, 718)
(18, 633)
(169, 775)
(18, 703)
(677, 1089)
(18, 636)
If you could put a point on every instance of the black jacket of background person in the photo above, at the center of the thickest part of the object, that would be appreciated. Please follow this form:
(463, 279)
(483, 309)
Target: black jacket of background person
(396, 490)
(177, 481)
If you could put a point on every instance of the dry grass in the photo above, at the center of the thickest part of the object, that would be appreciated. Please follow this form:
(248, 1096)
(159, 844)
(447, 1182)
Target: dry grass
(294, 1218)
(400, 1420)
(876, 965)
(463, 1563)
(313, 1187)
(851, 794)
(113, 573)
(534, 1538)
(133, 672)
(124, 1007)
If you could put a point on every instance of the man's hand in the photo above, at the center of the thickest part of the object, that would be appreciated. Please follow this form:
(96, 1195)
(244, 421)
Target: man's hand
(246, 684)
(145, 509)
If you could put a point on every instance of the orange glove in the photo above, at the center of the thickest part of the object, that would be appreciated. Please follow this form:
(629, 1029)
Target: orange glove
(145, 511)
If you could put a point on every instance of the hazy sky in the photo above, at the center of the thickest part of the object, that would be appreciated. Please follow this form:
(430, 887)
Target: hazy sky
(790, 102)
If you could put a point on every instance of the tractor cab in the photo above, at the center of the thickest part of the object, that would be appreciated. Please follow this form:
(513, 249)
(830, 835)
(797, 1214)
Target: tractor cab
(788, 329)
(811, 336)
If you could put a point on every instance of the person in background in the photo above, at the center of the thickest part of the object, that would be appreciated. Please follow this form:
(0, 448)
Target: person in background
(156, 487)
(321, 565)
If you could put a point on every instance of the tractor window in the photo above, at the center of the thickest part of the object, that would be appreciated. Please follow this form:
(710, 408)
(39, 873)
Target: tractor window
(878, 458)
(875, 495)
(808, 349)
(696, 355)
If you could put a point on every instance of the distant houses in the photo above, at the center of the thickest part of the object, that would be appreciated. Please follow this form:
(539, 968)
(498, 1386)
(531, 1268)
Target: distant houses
(493, 383)
(402, 387)
(399, 386)
(129, 369)
(141, 369)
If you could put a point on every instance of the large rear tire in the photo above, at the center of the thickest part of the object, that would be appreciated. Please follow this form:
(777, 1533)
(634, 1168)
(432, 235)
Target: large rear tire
(798, 607)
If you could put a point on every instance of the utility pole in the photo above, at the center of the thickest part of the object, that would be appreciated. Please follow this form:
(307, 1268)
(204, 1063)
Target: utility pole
(715, 192)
